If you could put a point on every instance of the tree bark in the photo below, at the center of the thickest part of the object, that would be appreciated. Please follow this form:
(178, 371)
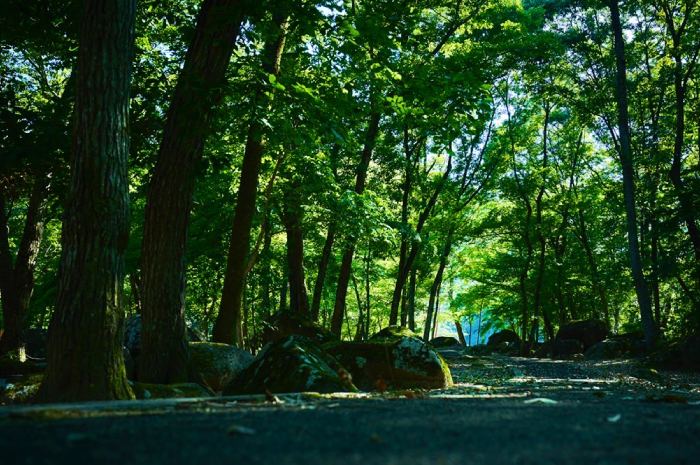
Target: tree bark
(164, 347)
(228, 321)
(345, 271)
(640, 283)
(85, 359)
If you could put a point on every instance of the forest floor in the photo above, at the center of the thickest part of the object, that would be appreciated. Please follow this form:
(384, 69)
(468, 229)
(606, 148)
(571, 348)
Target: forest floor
(502, 410)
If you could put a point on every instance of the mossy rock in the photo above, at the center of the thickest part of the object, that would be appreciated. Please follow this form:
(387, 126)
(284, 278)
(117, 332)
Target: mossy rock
(169, 391)
(21, 390)
(392, 363)
(293, 364)
(393, 332)
(214, 365)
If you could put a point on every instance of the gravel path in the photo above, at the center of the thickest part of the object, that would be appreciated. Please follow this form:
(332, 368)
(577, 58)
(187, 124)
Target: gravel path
(501, 411)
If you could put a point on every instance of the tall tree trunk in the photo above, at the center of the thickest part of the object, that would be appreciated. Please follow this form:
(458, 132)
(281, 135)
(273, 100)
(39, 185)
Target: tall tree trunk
(680, 80)
(293, 218)
(85, 359)
(538, 307)
(412, 300)
(322, 270)
(598, 288)
(640, 283)
(164, 352)
(437, 282)
(228, 321)
(410, 258)
(17, 283)
(345, 271)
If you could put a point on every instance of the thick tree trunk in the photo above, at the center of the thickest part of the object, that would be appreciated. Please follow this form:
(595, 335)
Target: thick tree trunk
(640, 283)
(164, 347)
(85, 360)
(17, 284)
(228, 321)
(345, 271)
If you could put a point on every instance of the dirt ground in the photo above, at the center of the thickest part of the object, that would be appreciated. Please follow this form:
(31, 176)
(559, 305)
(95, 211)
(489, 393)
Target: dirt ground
(502, 410)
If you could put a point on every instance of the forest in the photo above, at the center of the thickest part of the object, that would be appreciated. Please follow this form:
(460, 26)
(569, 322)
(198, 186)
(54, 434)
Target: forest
(191, 183)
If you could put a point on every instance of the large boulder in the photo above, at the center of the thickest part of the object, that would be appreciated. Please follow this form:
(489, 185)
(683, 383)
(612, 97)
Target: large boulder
(587, 332)
(566, 348)
(132, 335)
(506, 336)
(284, 324)
(681, 354)
(292, 364)
(444, 341)
(618, 346)
(215, 365)
(169, 391)
(396, 363)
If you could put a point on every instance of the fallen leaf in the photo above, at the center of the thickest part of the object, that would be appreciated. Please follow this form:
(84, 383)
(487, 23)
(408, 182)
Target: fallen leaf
(614, 418)
(541, 400)
(238, 429)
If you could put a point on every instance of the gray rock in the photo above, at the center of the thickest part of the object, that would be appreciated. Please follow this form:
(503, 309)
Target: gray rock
(215, 365)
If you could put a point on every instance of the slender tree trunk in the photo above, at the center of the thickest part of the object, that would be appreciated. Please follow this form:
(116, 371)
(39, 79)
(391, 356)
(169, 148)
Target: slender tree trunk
(85, 359)
(437, 310)
(685, 199)
(478, 330)
(437, 282)
(598, 288)
(460, 334)
(345, 271)
(410, 258)
(322, 270)
(640, 283)
(164, 347)
(293, 217)
(412, 300)
(17, 284)
(228, 322)
(538, 307)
